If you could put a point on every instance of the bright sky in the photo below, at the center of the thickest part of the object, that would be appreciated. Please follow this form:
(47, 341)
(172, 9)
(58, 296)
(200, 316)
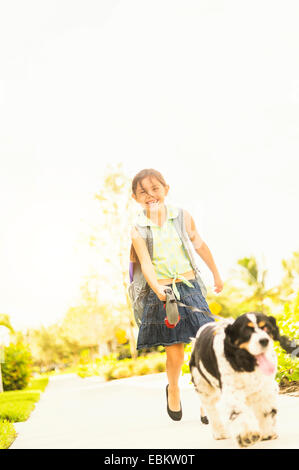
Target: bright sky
(205, 91)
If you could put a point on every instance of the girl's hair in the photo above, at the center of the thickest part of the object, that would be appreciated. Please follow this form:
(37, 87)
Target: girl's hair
(138, 179)
(144, 174)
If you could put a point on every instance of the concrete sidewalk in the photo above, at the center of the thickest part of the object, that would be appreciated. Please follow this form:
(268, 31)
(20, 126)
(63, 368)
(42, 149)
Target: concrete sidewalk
(75, 413)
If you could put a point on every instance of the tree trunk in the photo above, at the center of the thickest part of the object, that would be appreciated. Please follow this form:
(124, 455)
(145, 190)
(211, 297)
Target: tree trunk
(124, 272)
(1, 383)
(131, 325)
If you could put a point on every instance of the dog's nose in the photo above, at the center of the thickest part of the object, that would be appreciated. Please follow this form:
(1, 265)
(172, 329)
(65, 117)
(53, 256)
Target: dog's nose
(263, 342)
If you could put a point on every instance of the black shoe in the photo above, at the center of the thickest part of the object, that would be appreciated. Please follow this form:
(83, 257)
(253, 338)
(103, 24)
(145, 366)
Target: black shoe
(204, 419)
(175, 415)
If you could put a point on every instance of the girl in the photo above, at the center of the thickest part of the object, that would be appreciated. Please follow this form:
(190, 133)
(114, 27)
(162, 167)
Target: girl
(170, 265)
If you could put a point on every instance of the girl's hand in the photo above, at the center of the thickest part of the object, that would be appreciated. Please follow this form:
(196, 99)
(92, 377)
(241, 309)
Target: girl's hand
(160, 293)
(218, 284)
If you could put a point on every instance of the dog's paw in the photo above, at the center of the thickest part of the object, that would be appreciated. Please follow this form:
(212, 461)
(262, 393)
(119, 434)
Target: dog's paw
(220, 435)
(269, 437)
(245, 440)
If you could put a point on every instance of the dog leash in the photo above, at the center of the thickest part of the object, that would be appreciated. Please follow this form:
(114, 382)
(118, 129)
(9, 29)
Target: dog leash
(172, 313)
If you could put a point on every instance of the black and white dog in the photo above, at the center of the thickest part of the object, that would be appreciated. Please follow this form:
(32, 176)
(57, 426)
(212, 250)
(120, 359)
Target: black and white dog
(233, 366)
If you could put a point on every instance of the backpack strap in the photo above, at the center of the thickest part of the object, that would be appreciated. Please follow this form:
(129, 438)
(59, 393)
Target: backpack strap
(138, 285)
(180, 227)
(135, 271)
(179, 224)
(147, 235)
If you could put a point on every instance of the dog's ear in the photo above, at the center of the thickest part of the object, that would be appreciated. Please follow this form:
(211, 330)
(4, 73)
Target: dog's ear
(239, 359)
(228, 330)
(273, 329)
(230, 335)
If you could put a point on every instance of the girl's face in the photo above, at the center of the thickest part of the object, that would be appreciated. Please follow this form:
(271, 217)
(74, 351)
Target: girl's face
(151, 194)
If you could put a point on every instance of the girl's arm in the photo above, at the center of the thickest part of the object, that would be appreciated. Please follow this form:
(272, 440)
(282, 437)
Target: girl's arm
(146, 264)
(202, 250)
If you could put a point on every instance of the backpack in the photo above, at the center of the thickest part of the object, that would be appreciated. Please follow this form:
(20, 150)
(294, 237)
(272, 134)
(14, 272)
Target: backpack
(138, 287)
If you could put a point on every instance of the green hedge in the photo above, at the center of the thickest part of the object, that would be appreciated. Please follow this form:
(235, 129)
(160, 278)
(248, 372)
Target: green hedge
(288, 322)
(16, 406)
(7, 434)
(111, 368)
(16, 369)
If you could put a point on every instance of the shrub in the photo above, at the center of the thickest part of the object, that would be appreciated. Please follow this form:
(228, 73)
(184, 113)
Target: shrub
(7, 434)
(87, 370)
(185, 368)
(17, 406)
(159, 365)
(288, 322)
(84, 357)
(121, 372)
(123, 351)
(16, 369)
(38, 383)
(111, 368)
(142, 368)
(15, 412)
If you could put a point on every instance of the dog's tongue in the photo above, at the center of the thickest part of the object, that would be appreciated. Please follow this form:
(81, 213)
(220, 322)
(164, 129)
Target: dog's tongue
(265, 365)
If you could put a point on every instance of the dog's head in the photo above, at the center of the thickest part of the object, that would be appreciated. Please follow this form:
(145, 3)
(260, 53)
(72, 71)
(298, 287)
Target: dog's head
(248, 341)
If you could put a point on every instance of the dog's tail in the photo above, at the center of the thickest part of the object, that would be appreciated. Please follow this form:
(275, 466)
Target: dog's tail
(290, 346)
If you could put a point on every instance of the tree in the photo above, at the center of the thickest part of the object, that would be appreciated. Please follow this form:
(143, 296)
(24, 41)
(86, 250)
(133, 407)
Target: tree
(92, 322)
(246, 290)
(4, 321)
(49, 347)
(112, 238)
(255, 277)
(290, 281)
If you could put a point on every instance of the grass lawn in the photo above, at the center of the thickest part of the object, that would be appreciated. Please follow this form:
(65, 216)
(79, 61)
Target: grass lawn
(16, 406)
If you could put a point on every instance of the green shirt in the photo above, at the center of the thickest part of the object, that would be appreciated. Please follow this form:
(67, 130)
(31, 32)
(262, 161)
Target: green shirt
(170, 260)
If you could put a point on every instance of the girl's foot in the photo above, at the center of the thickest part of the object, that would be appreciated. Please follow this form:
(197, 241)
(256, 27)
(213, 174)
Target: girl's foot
(174, 398)
(175, 415)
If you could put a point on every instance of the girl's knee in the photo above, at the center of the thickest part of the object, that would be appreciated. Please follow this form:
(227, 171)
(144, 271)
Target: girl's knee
(175, 354)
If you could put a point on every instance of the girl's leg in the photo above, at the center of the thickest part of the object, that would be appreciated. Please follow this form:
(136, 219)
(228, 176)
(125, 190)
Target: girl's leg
(174, 362)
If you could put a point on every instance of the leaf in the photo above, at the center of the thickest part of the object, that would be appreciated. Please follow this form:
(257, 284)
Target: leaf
(5, 321)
